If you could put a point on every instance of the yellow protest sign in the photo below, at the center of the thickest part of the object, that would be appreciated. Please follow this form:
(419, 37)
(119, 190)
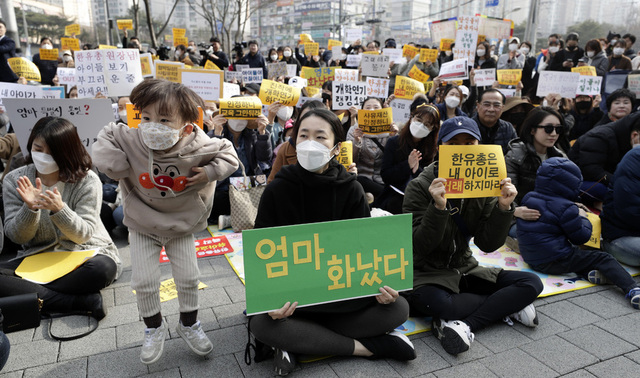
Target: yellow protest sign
(168, 37)
(305, 38)
(70, 44)
(211, 66)
(72, 29)
(509, 77)
(312, 91)
(133, 116)
(346, 154)
(409, 51)
(445, 44)
(371, 52)
(249, 107)
(427, 86)
(168, 70)
(375, 121)
(472, 171)
(406, 87)
(596, 230)
(417, 74)
(585, 70)
(106, 47)
(428, 54)
(48, 54)
(318, 76)
(25, 68)
(146, 65)
(125, 24)
(45, 267)
(177, 41)
(272, 91)
(482, 38)
(311, 48)
(178, 32)
(333, 42)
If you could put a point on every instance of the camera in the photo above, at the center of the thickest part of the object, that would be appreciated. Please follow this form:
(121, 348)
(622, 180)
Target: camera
(208, 49)
(238, 48)
(163, 52)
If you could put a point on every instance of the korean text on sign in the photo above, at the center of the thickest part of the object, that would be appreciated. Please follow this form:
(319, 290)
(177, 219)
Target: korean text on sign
(375, 65)
(472, 171)
(326, 262)
(318, 76)
(346, 95)
(272, 91)
(377, 87)
(241, 107)
(375, 121)
(407, 87)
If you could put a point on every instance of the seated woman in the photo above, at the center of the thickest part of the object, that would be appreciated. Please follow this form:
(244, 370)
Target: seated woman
(453, 97)
(319, 189)
(448, 284)
(538, 139)
(53, 204)
(407, 153)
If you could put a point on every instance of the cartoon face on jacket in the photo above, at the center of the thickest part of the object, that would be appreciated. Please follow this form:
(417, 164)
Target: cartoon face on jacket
(164, 179)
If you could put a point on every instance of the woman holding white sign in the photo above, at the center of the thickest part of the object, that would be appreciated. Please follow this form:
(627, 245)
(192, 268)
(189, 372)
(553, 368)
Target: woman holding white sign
(319, 189)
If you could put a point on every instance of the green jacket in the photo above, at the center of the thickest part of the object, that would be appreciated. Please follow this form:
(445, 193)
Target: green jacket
(441, 254)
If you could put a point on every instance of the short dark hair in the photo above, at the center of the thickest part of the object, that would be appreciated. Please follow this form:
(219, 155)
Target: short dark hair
(214, 39)
(534, 118)
(253, 42)
(492, 90)
(528, 44)
(620, 93)
(573, 36)
(181, 47)
(331, 118)
(309, 105)
(630, 36)
(328, 85)
(67, 150)
(171, 98)
(594, 45)
(3, 23)
(45, 39)
(554, 35)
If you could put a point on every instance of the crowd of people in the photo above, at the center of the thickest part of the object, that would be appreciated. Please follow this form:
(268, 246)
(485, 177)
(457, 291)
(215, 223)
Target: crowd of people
(565, 157)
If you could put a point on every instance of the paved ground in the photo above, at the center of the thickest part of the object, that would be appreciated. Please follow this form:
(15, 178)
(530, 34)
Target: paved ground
(586, 333)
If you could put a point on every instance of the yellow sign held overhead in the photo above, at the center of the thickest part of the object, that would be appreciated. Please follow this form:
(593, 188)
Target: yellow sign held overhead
(311, 48)
(417, 74)
(211, 66)
(179, 32)
(72, 29)
(406, 87)
(23, 67)
(333, 42)
(48, 54)
(125, 24)
(428, 54)
(445, 44)
(177, 41)
(409, 51)
(585, 70)
(70, 44)
(168, 70)
(472, 171)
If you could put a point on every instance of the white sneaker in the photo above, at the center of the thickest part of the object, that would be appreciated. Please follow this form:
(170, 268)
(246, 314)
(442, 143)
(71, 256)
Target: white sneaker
(527, 316)
(456, 336)
(153, 344)
(195, 338)
(224, 221)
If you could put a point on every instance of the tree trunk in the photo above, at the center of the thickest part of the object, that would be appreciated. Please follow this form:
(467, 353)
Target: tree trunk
(152, 32)
(136, 17)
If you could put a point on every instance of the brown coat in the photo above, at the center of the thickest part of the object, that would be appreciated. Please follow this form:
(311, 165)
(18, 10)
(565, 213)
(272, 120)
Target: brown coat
(286, 156)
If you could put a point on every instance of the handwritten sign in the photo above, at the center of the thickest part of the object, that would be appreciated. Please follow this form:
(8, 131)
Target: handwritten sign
(125, 24)
(509, 77)
(352, 35)
(585, 70)
(23, 67)
(596, 230)
(485, 78)
(375, 65)
(496, 28)
(563, 83)
(106, 47)
(353, 60)
(455, 70)
(375, 122)
(230, 76)
(11, 90)
(146, 65)
(318, 76)
(634, 84)
(272, 91)
(377, 87)
(332, 43)
(346, 75)
(418, 75)
(168, 70)
(472, 171)
(67, 76)
(71, 30)
(401, 111)
(206, 83)
(443, 29)
(409, 51)
(90, 70)
(589, 85)
(179, 32)
(53, 92)
(122, 70)
(252, 75)
(406, 87)
(346, 95)
(395, 55)
(326, 262)
(277, 70)
(70, 44)
(49, 54)
(311, 48)
(249, 107)
(428, 54)
(445, 44)
(229, 90)
(346, 154)
(466, 38)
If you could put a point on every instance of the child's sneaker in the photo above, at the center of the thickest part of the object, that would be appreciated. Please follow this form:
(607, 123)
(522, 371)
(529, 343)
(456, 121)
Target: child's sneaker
(224, 221)
(634, 297)
(195, 338)
(597, 278)
(283, 362)
(456, 337)
(153, 344)
(527, 316)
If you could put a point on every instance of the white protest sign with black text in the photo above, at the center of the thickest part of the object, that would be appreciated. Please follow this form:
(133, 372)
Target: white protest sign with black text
(345, 95)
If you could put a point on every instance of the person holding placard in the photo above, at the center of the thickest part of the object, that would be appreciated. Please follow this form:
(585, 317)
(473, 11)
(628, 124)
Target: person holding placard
(48, 68)
(7, 50)
(254, 59)
(596, 57)
(167, 169)
(511, 60)
(449, 285)
(319, 189)
(551, 243)
(287, 57)
(53, 205)
(428, 67)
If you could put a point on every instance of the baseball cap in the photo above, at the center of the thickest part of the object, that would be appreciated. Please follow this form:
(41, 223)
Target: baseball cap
(458, 125)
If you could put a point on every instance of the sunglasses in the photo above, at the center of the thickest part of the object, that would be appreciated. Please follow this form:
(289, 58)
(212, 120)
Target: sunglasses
(549, 128)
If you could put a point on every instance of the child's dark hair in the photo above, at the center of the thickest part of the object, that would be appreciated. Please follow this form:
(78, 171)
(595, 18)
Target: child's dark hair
(169, 97)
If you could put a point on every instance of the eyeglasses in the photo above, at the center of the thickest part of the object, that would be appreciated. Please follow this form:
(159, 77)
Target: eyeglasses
(549, 128)
(489, 105)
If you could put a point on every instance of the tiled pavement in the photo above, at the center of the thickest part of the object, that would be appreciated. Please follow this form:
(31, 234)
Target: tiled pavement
(586, 333)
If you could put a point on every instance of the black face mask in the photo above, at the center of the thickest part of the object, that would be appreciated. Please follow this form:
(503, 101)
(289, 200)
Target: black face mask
(583, 105)
(516, 118)
(571, 48)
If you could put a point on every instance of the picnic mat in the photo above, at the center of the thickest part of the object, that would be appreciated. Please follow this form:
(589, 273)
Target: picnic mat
(504, 257)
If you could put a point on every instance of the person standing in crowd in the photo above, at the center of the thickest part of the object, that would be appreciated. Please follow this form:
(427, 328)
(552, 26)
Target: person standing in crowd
(449, 285)
(216, 55)
(48, 68)
(67, 59)
(612, 39)
(555, 59)
(528, 68)
(513, 59)
(629, 40)
(596, 57)
(7, 50)
(586, 113)
(272, 57)
(619, 105)
(194, 55)
(493, 130)
(287, 57)
(617, 60)
(132, 43)
(182, 56)
(254, 59)
(483, 57)
(573, 52)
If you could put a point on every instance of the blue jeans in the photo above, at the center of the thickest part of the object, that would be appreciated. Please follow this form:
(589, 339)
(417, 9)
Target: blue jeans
(513, 231)
(118, 215)
(4, 349)
(625, 249)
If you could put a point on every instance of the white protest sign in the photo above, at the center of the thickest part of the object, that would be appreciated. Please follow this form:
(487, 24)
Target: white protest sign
(53, 92)
(445, 29)
(11, 90)
(352, 35)
(401, 111)
(589, 85)
(336, 52)
(507, 92)
(230, 75)
(353, 60)
(67, 76)
(345, 95)
(346, 75)
(122, 70)
(240, 67)
(634, 84)
(455, 70)
(563, 83)
(375, 65)
(206, 83)
(229, 90)
(485, 78)
(377, 87)
(466, 38)
(303, 100)
(252, 75)
(292, 70)
(89, 116)
(90, 71)
(395, 55)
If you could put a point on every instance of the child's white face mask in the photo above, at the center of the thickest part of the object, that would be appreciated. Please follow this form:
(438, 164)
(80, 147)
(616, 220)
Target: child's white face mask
(158, 136)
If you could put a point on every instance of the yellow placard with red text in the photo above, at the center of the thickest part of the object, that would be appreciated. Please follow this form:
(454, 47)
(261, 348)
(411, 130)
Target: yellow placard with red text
(70, 44)
(211, 66)
(333, 42)
(375, 121)
(409, 51)
(428, 54)
(72, 29)
(177, 41)
(124, 24)
(23, 67)
(272, 91)
(472, 171)
(406, 87)
(445, 44)
(311, 48)
(596, 230)
(417, 74)
(585, 70)
(509, 77)
(48, 54)
(134, 118)
(179, 32)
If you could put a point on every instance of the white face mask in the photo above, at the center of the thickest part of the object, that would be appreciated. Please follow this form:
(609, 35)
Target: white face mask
(158, 136)
(123, 115)
(524, 51)
(553, 49)
(448, 53)
(343, 56)
(285, 113)
(513, 47)
(238, 125)
(67, 58)
(452, 102)
(590, 54)
(313, 155)
(286, 53)
(177, 54)
(44, 162)
(418, 129)
(618, 51)
(480, 53)
(47, 47)
(274, 57)
(208, 113)
(613, 42)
